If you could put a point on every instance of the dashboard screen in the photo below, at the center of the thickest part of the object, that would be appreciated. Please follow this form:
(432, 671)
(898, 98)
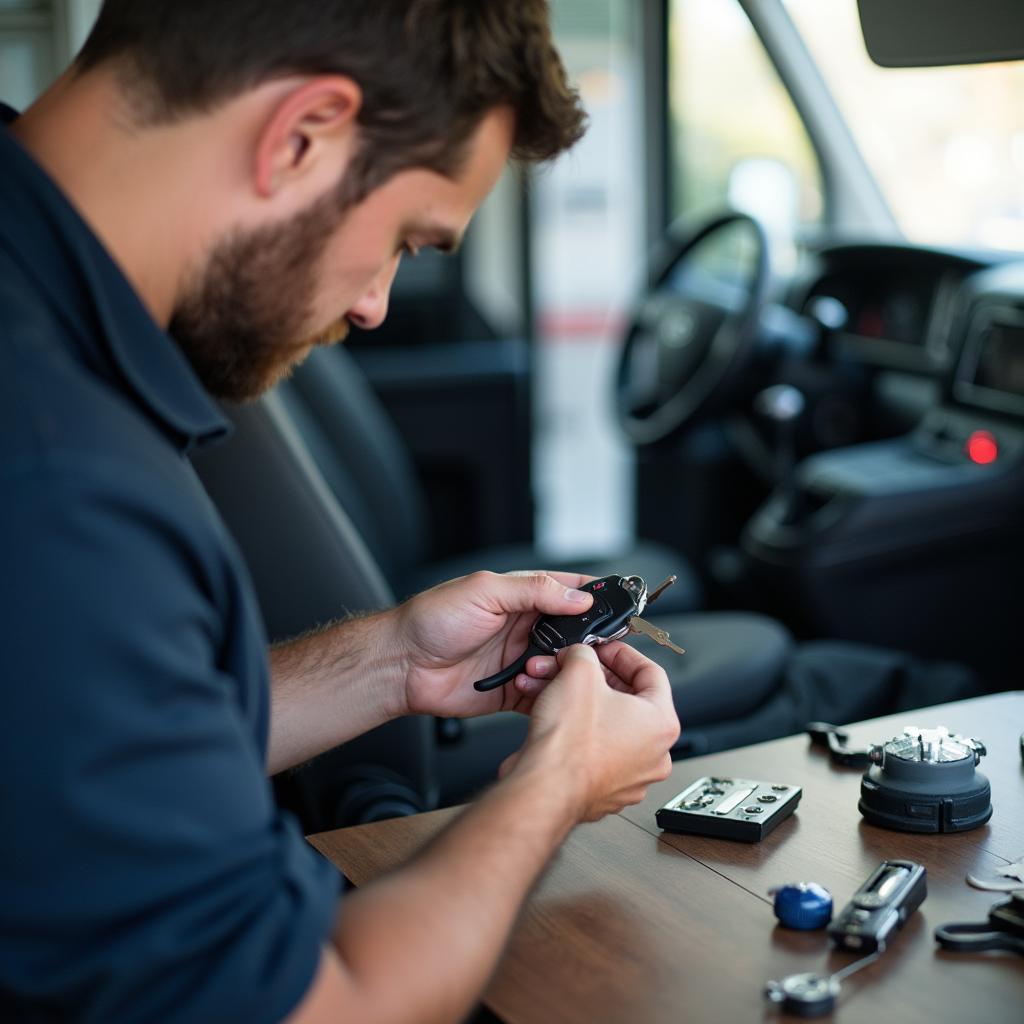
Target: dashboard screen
(1001, 359)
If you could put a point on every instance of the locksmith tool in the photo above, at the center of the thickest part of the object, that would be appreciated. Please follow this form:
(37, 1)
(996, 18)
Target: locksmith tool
(729, 808)
(926, 781)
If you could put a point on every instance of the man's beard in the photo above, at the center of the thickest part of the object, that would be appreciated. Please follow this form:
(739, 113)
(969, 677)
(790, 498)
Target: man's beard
(241, 323)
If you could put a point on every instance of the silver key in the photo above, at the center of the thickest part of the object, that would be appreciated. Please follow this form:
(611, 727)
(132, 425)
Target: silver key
(660, 589)
(659, 636)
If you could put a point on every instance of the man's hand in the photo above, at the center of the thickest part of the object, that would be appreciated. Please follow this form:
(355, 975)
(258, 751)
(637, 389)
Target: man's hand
(472, 627)
(603, 727)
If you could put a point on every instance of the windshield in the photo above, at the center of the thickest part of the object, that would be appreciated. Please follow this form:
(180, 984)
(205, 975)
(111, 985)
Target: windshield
(946, 145)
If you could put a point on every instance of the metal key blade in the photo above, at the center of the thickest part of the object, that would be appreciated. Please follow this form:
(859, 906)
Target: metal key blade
(659, 636)
(661, 588)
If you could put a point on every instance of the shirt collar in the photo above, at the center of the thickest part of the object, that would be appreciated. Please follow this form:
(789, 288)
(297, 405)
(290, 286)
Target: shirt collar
(81, 283)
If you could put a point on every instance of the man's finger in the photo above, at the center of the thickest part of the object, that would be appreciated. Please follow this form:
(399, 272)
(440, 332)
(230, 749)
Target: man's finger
(531, 592)
(541, 666)
(578, 662)
(529, 686)
(637, 671)
(569, 579)
(508, 764)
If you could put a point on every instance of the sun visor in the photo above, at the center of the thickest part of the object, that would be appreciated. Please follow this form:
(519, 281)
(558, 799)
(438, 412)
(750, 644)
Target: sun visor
(929, 33)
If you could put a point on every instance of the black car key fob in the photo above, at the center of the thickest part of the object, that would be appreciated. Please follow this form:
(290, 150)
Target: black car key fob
(617, 601)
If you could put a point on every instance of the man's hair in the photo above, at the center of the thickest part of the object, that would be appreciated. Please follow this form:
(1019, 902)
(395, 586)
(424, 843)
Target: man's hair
(429, 70)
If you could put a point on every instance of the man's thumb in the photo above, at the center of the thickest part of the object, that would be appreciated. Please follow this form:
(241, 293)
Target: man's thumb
(543, 593)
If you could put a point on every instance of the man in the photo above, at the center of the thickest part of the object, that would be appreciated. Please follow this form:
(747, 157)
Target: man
(246, 175)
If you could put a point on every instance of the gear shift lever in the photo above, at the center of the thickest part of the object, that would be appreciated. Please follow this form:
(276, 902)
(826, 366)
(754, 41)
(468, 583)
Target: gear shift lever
(783, 404)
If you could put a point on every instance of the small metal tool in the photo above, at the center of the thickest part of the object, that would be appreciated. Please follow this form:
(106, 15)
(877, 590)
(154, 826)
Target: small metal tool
(926, 781)
(742, 809)
(1007, 878)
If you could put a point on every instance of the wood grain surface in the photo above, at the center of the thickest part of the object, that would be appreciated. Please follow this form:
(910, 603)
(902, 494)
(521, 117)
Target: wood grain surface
(632, 924)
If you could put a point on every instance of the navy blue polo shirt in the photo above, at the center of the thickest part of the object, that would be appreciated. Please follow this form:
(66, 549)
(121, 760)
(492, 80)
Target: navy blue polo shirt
(145, 872)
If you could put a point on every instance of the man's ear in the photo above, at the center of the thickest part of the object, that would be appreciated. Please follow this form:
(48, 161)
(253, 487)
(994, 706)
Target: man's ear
(314, 121)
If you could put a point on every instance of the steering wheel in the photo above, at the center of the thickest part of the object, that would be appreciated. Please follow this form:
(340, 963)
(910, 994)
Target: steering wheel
(695, 330)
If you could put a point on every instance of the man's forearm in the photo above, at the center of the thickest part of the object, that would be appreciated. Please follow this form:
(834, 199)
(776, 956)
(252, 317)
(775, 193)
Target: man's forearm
(331, 686)
(419, 945)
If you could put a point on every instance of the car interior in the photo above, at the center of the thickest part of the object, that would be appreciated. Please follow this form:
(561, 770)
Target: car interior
(763, 331)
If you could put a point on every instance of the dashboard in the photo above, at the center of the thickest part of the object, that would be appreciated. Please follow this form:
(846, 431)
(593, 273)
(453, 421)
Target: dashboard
(892, 307)
(910, 534)
(938, 338)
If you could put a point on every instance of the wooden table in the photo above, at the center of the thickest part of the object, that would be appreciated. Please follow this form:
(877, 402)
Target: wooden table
(632, 924)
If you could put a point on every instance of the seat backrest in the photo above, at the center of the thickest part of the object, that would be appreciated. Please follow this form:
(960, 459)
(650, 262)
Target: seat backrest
(307, 561)
(361, 456)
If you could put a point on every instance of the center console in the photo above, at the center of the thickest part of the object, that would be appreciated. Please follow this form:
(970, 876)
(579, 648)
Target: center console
(920, 537)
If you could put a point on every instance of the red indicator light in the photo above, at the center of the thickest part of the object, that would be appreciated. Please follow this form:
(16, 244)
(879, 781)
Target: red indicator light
(982, 448)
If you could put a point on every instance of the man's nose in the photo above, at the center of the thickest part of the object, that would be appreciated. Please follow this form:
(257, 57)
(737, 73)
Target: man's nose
(372, 309)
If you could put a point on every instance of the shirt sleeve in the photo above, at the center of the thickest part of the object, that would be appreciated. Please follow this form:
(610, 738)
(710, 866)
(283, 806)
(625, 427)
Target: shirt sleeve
(145, 872)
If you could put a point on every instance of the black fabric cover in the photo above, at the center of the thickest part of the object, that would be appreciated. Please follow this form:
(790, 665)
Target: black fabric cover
(734, 662)
(839, 682)
(309, 567)
(366, 465)
(361, 456)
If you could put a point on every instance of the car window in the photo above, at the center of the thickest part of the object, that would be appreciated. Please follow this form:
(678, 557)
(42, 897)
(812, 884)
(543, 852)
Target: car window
(945, 144)
(735, 135)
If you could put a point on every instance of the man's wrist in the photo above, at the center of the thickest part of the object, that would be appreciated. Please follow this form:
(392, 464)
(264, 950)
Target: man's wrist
(333, 685)
(393, 655)
(544, 766)
(383, 664)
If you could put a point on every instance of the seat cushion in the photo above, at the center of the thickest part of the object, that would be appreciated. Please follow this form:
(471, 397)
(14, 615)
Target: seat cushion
(734, 662)
(654, 562)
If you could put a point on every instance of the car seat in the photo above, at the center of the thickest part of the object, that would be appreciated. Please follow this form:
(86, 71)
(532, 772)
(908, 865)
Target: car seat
(366, 464)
